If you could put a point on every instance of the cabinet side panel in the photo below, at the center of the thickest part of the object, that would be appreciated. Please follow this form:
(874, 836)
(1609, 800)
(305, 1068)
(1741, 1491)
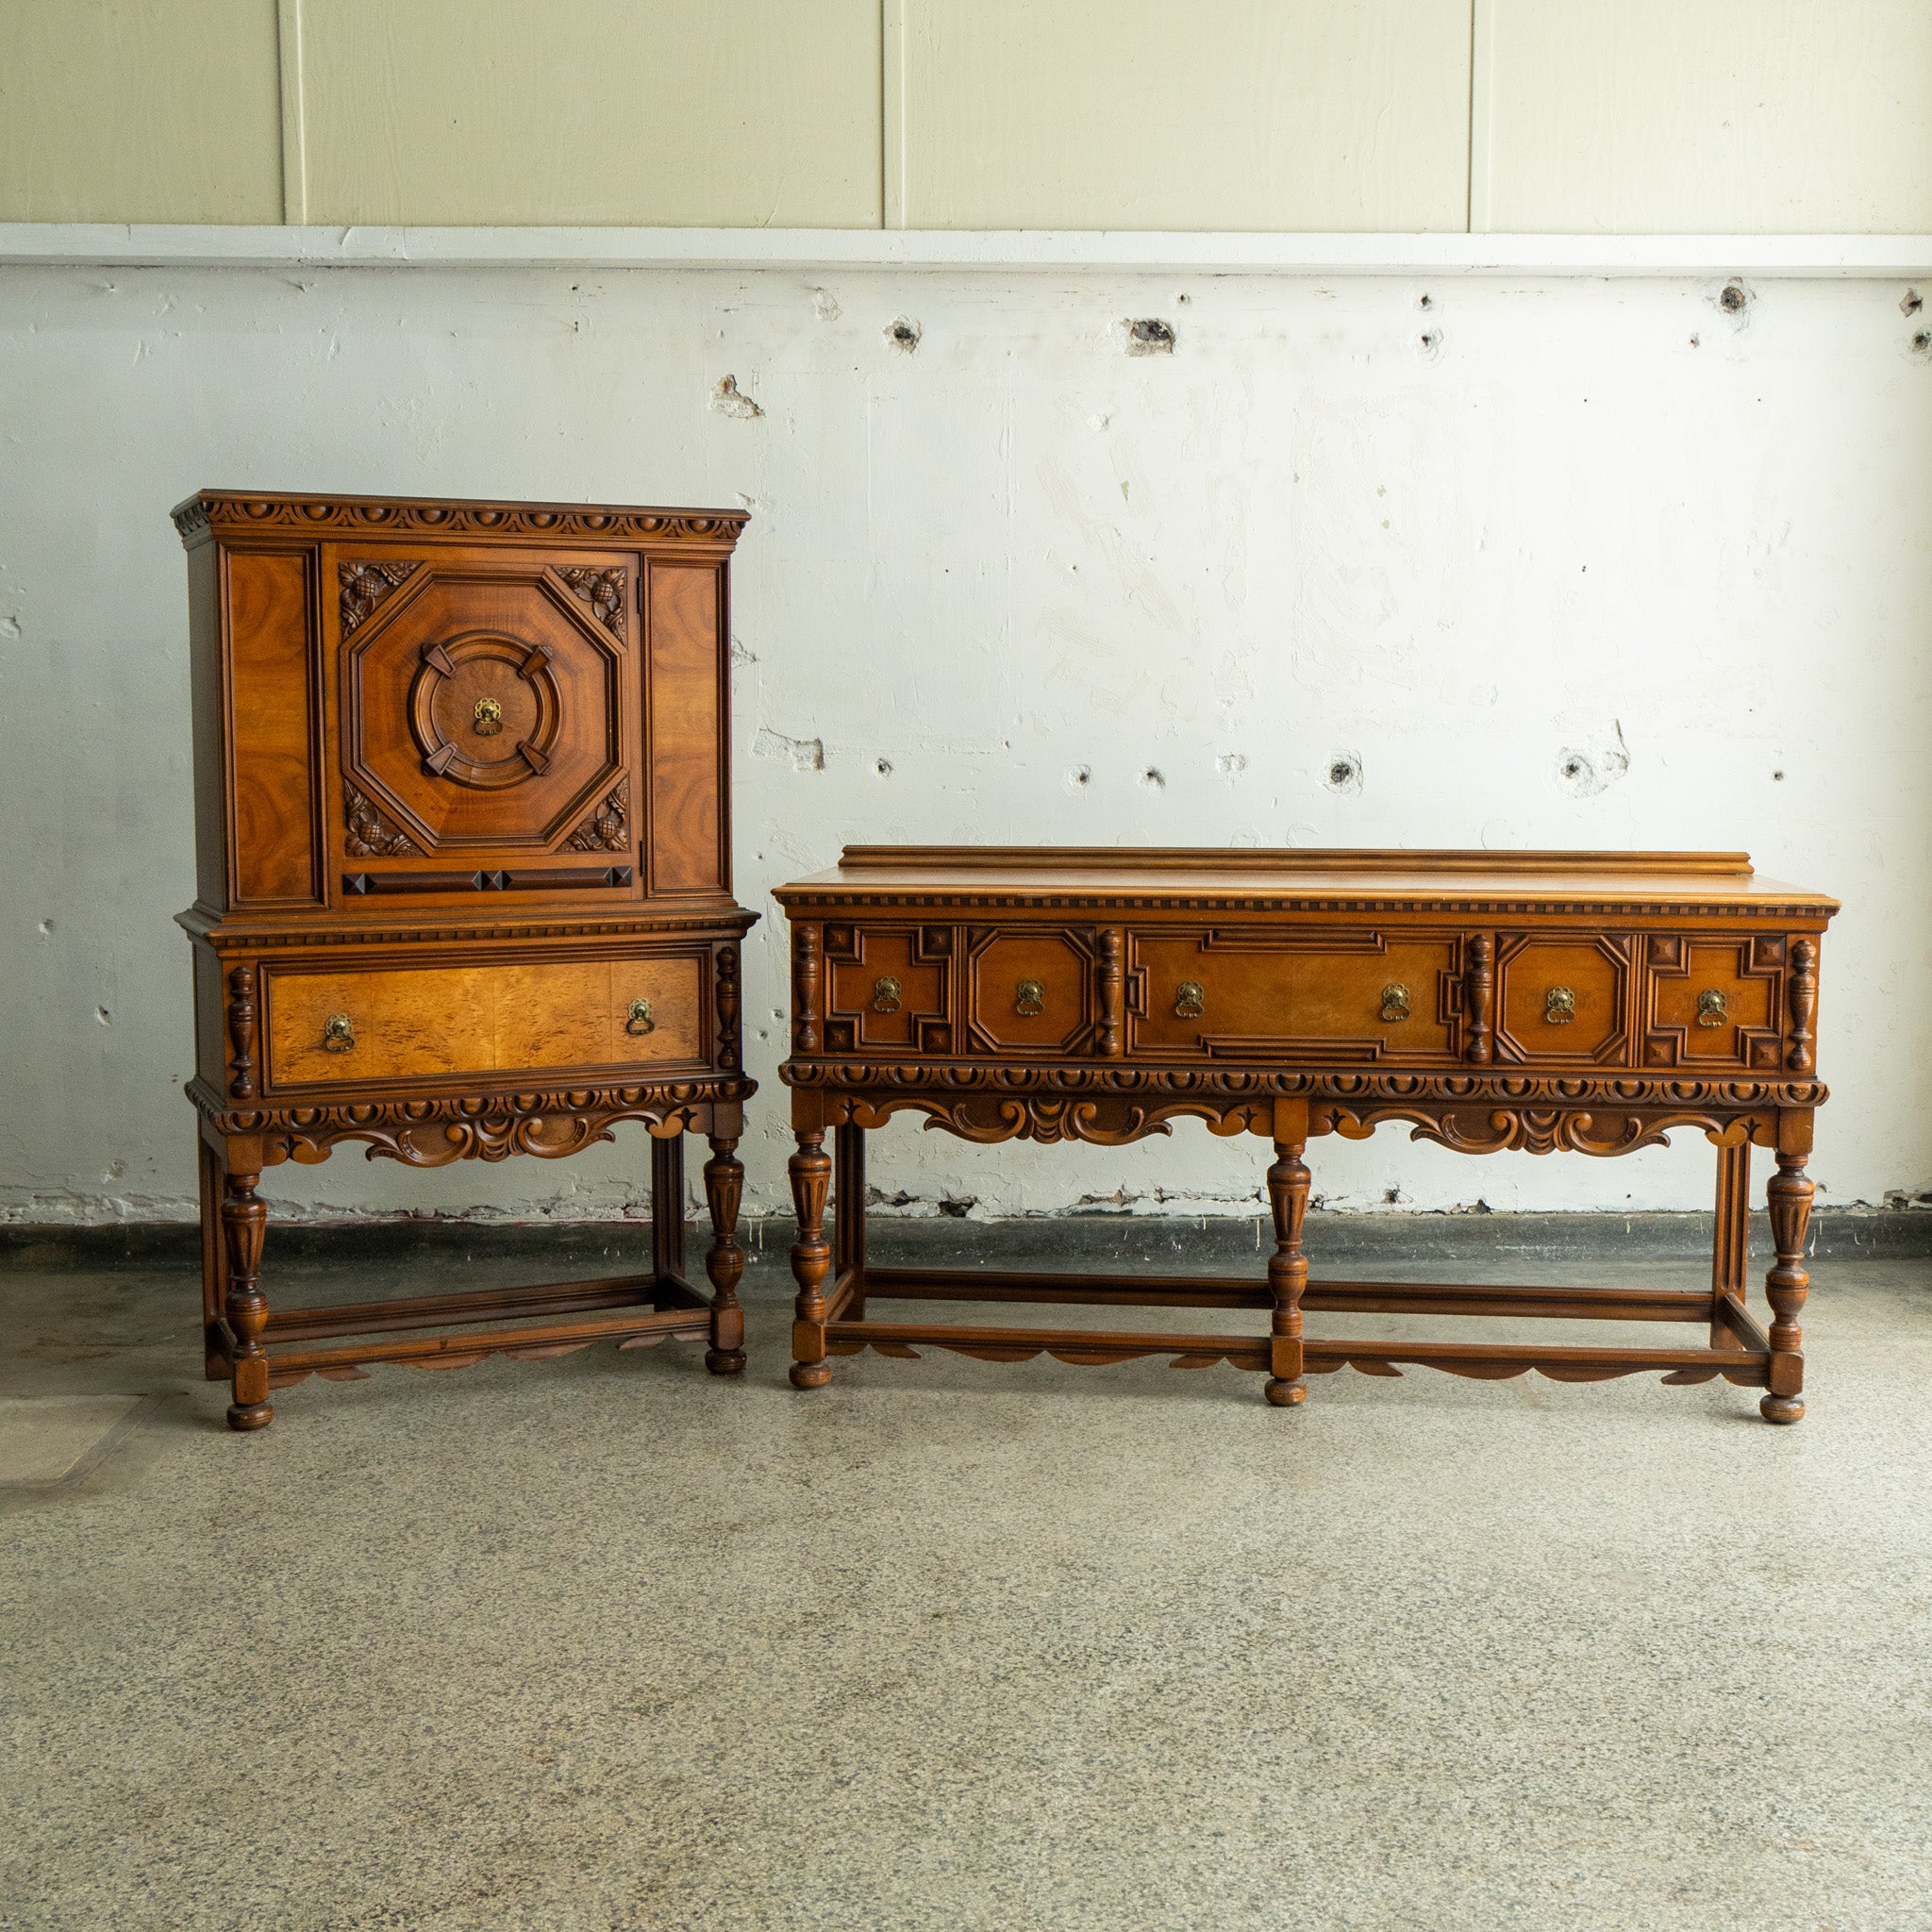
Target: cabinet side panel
(271, 709)
(205, 700)
(685, 718)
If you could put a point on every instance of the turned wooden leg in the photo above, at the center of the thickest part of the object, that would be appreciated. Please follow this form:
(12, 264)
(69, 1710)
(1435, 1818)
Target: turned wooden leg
(811, 1259)
(667, 1208)
(725, 1264)
(848, 1217)
(214, 1268)
(1730, 1244)
(1789, 1196)
(1288, 1274)
(245, 1224)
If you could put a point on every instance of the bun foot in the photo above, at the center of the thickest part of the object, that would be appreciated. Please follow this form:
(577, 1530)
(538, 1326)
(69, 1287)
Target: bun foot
(253, 1415)
(725, 1361)
(1285, 1394)
(811, 1374)
(1780, 1408)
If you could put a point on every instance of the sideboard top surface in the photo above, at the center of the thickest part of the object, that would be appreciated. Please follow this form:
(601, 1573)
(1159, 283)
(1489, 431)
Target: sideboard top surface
(1691, 880)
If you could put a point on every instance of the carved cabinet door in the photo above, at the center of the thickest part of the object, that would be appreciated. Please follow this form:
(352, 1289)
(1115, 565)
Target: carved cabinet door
(489, 719)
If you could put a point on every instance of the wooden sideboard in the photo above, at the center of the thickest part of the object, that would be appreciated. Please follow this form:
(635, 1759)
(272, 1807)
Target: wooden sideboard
(1580, 1002)
(464, 890)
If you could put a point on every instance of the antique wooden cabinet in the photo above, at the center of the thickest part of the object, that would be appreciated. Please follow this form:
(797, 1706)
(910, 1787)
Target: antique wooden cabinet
(1588, 1001)
(464, 890)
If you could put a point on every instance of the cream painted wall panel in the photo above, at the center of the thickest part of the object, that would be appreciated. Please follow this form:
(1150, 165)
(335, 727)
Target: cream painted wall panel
(739, 114)
(1226, 114)
(140, 110)
(1716, 116)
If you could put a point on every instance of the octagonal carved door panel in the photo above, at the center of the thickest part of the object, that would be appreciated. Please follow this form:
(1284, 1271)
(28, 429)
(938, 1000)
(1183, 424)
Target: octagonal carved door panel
(487, 706)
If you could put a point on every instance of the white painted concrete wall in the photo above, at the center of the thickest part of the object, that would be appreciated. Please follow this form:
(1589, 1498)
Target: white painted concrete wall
(1017, 585)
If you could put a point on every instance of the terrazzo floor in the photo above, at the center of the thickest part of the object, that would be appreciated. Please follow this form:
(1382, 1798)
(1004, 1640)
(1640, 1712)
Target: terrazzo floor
(605, 1642)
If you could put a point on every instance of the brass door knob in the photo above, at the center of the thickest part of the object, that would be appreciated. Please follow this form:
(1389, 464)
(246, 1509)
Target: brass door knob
(1030, 999)
(1394, 1002)
(885, 994)
(637, 1018)
(338, 1033)
(1559, 1007)
(1189, 1001)
(1710, 1008)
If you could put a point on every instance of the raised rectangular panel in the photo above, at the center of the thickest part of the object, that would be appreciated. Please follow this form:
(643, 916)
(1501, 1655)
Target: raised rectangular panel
(1232, 995)
(685, 720)
(1732, 117)
(271, 775)
(1228, 114)
(107, 111)
(743, 113)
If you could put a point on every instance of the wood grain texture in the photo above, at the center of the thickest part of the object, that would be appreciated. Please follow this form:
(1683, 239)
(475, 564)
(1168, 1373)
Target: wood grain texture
(271, 746)
(1308, 1010)
(689, 660)
(419, 1021)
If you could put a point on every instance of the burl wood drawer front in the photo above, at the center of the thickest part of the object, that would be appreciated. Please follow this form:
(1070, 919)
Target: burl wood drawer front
(1231, 994)
(421, 1022)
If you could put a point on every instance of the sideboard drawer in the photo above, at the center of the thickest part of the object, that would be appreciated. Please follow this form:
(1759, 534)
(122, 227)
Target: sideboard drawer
(1565, 998)
(421, 1022)
(1229, 995)
(1714, 1002)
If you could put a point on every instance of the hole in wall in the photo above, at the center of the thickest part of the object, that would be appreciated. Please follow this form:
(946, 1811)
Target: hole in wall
(1149, 335)
(1344, 772)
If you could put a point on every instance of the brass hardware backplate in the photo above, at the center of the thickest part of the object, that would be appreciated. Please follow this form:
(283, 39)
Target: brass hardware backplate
(1710, 1008)
(1030, 999)
(1559, 1007)
(885, 994)
(637, 1018)
(338, 1033)
(1189, 1001)
(488, 717)
(1394, 1002)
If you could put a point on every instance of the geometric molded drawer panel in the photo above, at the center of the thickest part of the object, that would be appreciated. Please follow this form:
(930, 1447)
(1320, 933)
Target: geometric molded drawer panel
(890, 988)
(1030, 990)
(421, 1023)
(1228, 993)
(482, 706)
(1713, 1003)
(1564, 999)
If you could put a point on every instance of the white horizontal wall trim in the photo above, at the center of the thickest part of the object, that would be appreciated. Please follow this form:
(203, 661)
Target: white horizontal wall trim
(108, 246)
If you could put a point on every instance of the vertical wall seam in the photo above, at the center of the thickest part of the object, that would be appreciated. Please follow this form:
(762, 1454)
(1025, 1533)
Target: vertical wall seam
(892, 114)
(294, 153)
(1480, 209)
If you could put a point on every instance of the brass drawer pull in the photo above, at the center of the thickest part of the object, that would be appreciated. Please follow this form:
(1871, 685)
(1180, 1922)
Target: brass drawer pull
(1710, 1008)
(1559, 1007)
(1190, 1002)
(1030, 999)
(338, 1033)
(639, 1019)
(488, 717)
(885, 994)
(1394, 1002)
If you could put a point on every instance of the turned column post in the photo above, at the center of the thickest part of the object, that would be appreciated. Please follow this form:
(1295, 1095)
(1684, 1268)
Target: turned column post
(810, 1170)
(244, 1226)
(725, 1263)
(1288, 1267)
(1787, 1196)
